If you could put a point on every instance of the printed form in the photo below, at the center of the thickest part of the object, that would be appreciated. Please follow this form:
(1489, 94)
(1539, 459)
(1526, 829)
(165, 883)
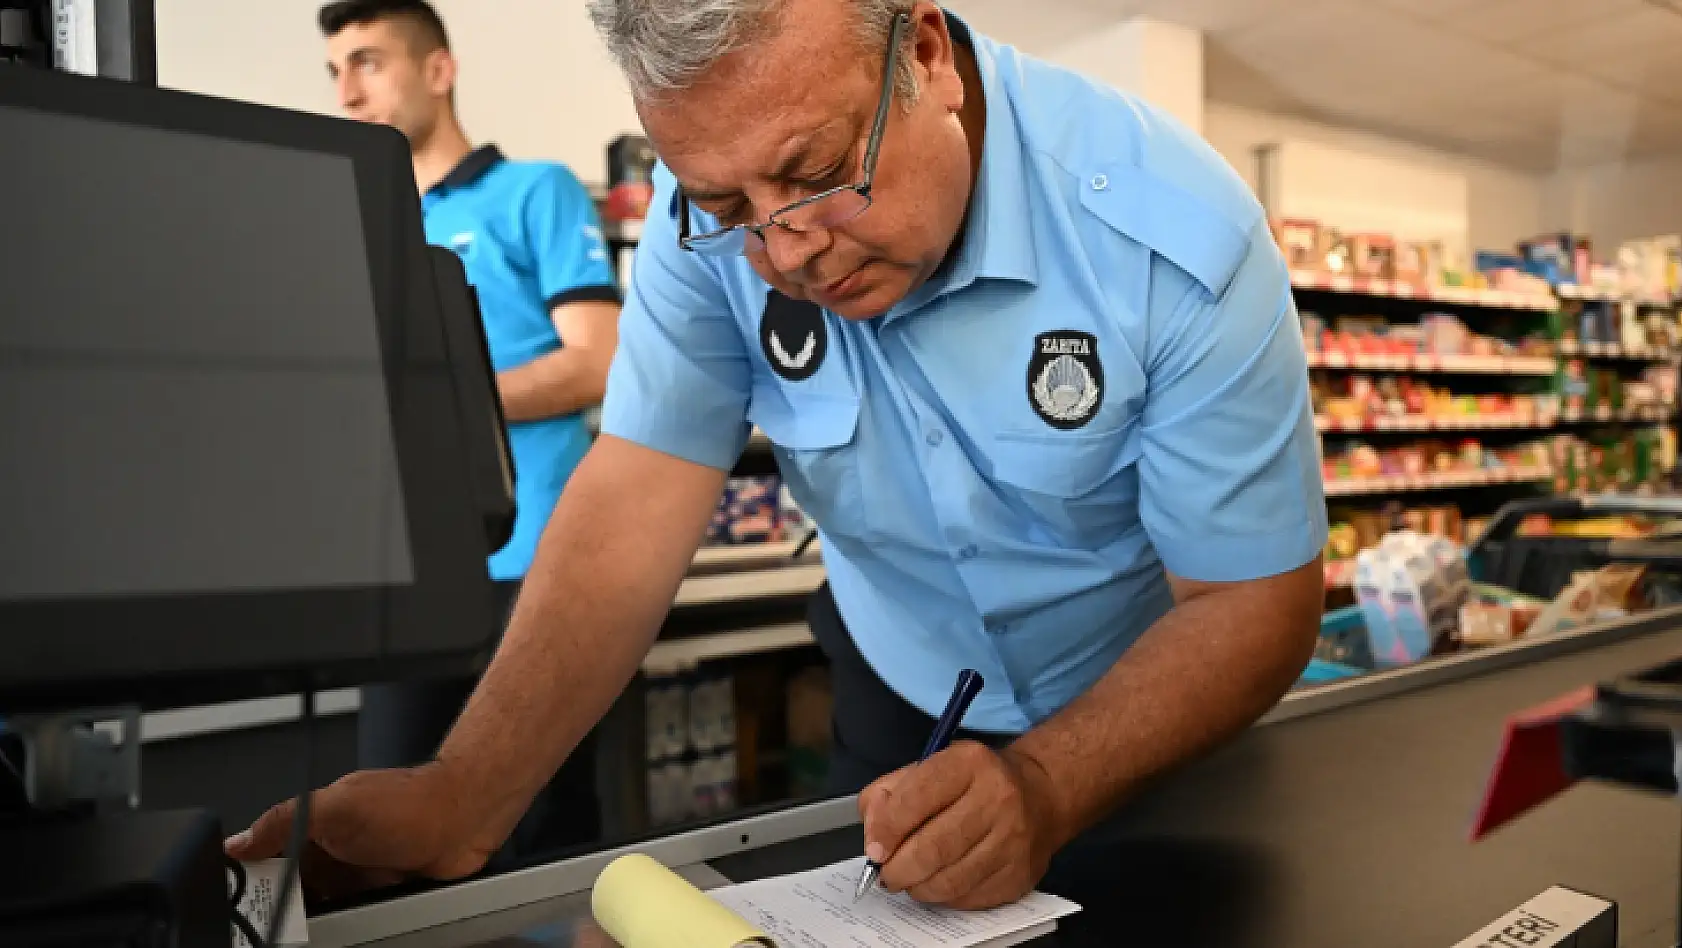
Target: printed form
(815, 909)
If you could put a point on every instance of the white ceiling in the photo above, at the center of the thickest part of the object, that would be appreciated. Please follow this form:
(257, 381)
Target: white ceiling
(1535, 84)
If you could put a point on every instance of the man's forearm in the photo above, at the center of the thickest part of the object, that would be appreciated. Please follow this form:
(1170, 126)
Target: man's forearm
(562, 382)
(1209, 668)
(587, 614)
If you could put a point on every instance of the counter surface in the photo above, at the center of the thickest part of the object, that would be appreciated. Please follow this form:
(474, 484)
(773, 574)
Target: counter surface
(1337, 829)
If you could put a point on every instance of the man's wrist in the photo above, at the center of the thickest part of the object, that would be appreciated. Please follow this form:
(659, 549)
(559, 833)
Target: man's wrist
(451, 780)
(1046, 801)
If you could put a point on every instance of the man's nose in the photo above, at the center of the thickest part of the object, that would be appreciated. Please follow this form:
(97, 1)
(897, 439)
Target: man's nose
(790, 251)
(350, 92)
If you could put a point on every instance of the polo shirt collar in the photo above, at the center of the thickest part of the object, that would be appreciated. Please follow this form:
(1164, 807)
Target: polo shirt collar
(998, 240)
(470, 169)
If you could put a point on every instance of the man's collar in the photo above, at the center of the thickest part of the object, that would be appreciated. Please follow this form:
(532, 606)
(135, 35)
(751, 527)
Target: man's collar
(998, 238)
(470, 169)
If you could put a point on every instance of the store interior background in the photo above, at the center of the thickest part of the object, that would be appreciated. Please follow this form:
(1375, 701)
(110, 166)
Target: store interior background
(1476, 123)
(1501, 118)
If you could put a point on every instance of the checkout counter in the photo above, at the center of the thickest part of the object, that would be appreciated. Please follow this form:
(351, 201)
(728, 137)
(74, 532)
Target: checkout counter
(1340, 819)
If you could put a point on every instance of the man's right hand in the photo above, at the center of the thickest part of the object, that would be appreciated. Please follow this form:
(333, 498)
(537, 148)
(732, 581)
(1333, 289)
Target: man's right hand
(371, 829)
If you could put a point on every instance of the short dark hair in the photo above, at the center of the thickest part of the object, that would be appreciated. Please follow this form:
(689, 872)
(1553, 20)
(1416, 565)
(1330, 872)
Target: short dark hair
(335, 16)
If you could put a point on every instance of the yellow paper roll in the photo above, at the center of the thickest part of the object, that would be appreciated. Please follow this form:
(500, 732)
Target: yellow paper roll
(642, 904)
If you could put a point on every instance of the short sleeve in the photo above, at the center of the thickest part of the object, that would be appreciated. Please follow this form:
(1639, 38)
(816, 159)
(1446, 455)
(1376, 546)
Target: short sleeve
(565, 234)
(1230, 482)
(680, 379)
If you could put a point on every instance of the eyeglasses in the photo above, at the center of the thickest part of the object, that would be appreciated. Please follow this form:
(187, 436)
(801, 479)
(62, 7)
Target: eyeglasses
(821, 211)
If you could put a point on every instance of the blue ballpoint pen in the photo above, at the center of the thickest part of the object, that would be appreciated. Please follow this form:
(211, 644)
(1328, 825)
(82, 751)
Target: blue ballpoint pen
(969, 685)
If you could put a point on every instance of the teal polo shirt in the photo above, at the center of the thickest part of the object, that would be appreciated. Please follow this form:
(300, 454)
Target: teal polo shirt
(528, 235)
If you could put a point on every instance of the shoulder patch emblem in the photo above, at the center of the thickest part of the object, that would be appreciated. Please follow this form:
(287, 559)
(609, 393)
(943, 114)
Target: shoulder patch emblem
(1065, 378)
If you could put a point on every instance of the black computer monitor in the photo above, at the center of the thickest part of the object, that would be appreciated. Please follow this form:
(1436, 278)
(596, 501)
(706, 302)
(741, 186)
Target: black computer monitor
(249, 438)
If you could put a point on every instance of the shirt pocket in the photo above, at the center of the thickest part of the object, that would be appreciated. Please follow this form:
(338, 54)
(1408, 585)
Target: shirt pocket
(813, 436)
(1079, 485)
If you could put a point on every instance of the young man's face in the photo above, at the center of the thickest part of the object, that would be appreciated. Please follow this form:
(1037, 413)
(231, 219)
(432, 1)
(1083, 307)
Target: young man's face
(384, 74)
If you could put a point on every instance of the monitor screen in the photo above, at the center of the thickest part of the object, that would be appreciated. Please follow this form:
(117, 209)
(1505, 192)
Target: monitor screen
(249, 441)
(185, 413)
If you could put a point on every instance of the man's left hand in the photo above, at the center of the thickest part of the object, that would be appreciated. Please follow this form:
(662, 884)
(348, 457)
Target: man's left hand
(969, 828)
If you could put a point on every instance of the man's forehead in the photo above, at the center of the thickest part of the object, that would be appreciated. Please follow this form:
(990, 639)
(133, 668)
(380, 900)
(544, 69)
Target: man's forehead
(381, 35)
(705, 165)
(719, 134)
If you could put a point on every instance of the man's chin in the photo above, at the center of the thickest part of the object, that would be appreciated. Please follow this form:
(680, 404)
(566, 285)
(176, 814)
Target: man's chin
(864, 310)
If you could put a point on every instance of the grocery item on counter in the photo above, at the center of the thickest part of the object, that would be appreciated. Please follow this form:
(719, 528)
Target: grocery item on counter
(1410, 589)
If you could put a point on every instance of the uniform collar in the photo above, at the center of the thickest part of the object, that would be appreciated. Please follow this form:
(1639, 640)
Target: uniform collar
(470, 169)
(998, 240)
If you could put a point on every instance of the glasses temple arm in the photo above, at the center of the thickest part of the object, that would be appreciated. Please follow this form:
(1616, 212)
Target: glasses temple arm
(889, 67)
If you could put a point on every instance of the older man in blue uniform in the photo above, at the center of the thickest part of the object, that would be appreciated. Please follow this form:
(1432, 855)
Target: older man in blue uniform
(1029, 357)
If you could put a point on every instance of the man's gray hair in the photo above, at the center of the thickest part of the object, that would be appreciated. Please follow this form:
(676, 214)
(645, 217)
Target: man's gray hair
(663, 46)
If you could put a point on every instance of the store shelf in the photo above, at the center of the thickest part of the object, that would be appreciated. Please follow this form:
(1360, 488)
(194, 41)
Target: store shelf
(1591, 294)
(1653, 414)
(673, 656)
(748, 586)
(1463, 296)
(1425, 423)
(1446, 364)
(717, 557)
(1398, 483)
(1612, 350)
(1330, 425)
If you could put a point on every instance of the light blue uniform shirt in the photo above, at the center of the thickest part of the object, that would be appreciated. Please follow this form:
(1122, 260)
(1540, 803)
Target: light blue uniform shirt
(1107, 382)
(529, 238)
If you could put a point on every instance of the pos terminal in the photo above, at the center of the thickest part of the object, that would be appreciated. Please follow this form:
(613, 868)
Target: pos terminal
(252, 446)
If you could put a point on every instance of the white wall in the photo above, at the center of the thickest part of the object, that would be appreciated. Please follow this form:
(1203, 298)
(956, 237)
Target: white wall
(1503, 205)
(534, 76)
(1616, 202)
(1159, 62)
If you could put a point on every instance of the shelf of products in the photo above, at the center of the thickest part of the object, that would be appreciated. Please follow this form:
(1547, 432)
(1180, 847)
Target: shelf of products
(1329, 424)
(1397, 483)
(1637, 462)
(1553, 372)
(1426, 363)
(1424, 292)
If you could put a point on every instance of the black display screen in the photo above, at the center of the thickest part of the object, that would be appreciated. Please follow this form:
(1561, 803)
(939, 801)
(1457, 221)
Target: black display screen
(178, 413)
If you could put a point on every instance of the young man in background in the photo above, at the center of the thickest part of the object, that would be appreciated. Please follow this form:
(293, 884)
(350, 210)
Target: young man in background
(528, 235)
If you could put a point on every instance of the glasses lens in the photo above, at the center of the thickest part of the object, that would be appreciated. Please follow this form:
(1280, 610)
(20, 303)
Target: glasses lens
(831, 210)
(722, 243)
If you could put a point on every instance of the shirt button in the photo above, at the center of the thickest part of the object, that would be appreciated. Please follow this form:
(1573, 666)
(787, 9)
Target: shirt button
(934, 438)
(968, 552)
(1100, 182)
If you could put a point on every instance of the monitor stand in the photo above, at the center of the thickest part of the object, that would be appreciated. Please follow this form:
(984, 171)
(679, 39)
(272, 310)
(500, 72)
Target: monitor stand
(85, 865)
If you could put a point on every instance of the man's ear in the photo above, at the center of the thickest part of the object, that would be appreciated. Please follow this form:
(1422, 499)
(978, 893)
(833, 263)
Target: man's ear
(440, 71)
(936, 56)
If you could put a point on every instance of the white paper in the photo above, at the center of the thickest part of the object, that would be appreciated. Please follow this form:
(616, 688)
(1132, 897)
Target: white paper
(262, 886)
(815, 909)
